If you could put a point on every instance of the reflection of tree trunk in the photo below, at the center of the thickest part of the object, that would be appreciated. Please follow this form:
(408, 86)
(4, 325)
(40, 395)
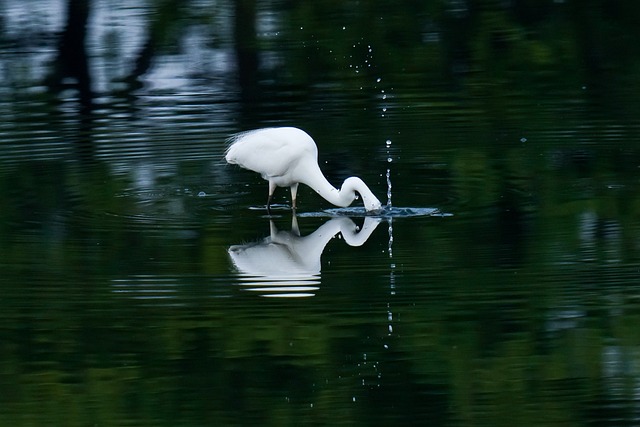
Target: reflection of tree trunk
(246, 47)
(142, 64)
(72, 62)
(168, 16)
(72, 55)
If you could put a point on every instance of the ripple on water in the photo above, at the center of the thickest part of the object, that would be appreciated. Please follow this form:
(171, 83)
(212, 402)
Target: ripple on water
(386, 212)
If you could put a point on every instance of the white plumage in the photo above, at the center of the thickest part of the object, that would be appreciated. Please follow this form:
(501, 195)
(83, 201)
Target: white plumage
(287, 156)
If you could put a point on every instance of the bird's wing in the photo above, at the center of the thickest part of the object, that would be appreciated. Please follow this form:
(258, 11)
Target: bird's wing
(270, 152)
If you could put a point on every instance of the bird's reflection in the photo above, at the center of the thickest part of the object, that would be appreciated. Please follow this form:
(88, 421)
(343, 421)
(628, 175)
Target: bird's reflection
(285, 264)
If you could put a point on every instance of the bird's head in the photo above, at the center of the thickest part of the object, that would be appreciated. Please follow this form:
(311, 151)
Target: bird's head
(372, 205)
(356, 185)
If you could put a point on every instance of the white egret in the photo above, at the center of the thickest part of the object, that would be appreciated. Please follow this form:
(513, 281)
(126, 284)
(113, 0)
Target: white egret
(286, 262)
(287, 156)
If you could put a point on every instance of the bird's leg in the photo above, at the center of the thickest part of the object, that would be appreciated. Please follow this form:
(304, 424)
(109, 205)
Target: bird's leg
(272, 188)
(269, 205)
(294, 193)
(295, 229)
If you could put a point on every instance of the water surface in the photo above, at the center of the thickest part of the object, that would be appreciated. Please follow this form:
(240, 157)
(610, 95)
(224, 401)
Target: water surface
(143, 283)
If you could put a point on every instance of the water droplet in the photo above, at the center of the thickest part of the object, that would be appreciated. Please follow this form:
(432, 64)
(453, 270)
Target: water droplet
(389, 197)
(388, 142)
(202, 194)
(378, 80)
(523, 139)
(389, 159)
(354, 398)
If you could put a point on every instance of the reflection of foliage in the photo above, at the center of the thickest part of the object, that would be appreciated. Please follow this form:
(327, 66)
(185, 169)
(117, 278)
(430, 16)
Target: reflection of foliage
(507, 310)
(439, 38)
(479, 339)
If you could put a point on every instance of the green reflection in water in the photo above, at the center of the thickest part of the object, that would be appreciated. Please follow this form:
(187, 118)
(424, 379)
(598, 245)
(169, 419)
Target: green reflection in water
(121, 306)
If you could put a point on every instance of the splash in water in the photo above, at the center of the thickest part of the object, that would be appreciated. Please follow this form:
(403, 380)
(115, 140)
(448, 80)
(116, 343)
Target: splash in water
(389, 189)
(390, 221)
(389, 160)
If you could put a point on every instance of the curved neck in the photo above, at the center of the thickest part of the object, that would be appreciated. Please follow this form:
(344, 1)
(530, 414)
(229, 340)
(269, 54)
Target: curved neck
(347, 193)
(355, 184)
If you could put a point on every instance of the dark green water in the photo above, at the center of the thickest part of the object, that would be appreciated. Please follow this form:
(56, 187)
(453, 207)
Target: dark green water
(141, 282)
